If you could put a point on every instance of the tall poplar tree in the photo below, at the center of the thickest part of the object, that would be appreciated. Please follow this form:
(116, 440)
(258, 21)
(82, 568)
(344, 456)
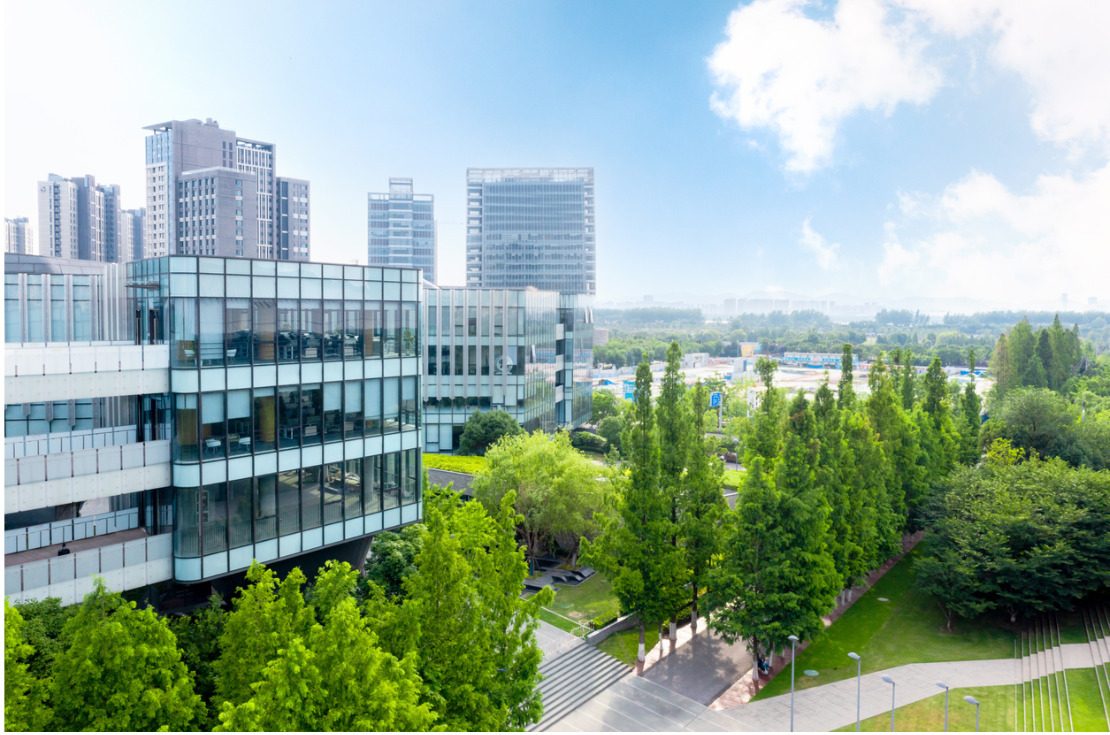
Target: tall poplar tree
(701, 504)
(634, 550)
(673, 419)
(846, 392)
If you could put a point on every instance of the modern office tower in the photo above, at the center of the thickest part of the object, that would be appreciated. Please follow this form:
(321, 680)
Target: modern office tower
(210, 192)
(401, 228)
(292, 219)
(18, 237)
(58, 217)
(531, 227)
(131, 234)
(200, 413)
(79, 218)
(502, 349)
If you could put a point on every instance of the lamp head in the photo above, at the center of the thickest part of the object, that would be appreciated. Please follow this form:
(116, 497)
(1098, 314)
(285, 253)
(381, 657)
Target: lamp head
(792, 638)
(971, 700)
(942, 685)
(854, 656)
(888, 680)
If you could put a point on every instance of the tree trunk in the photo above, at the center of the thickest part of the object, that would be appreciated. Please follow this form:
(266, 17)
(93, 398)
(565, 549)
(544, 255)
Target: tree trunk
(640, 653)
(694, 613)
(673, 632)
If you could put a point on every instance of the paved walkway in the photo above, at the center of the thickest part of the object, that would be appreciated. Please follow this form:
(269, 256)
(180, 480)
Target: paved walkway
(701, 667)
(632, 705)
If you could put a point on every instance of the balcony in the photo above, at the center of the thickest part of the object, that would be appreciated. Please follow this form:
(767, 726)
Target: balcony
(45, 480)
(125, 560)
(35, 372)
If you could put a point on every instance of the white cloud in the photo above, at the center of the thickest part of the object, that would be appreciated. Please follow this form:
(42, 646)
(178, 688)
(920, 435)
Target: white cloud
(979, 238)
(801, 77)
(824, 252)
(1061, 49)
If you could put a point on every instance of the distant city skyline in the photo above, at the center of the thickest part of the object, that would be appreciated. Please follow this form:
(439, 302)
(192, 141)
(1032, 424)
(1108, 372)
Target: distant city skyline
(892, 151)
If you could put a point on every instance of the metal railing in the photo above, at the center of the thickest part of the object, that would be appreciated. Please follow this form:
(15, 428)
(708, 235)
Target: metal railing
(75, 529)
(87, 563)
(69, 441)
(61, 465)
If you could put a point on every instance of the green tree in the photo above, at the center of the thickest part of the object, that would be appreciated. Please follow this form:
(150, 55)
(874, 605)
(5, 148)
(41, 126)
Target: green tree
(834, 475)
(558, 494)
(1025, 537)
(605, 404)
(673, 420)
(846, 393)
(1002, 367)
(484, 428)
(900, 445)
(474, 635)
(1036, 420)
(121, 671)
(24, 708)
(611, 427)
(339, 679)
(393, 558)
(43, 629)
(764, 438)
(970, 410)
(634, 550)
(198, 637)
(701, 505)
(265, 616)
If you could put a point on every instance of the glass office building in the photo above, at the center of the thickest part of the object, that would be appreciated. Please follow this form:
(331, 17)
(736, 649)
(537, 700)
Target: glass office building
(504, 349)
(296, 403)
(240, 410)
(531, 227)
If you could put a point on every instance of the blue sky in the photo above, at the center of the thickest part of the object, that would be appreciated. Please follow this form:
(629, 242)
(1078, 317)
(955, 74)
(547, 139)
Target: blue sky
(905, 149)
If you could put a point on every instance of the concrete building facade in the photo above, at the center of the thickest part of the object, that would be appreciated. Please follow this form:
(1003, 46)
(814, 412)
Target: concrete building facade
(292, 219)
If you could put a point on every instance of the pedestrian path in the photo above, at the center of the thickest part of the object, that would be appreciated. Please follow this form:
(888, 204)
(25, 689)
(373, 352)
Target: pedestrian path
(574, 677)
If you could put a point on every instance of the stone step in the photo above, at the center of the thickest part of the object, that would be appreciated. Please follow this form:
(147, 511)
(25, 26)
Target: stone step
(573, 678)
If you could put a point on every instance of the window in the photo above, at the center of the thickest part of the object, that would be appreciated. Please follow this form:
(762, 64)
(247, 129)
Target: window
(214, 515)
(333, 412)
(186, 530)
(391, 315)
(288, 336)
(410, 483)
(352, 330)
(391, 480)
(265, 419)
(372, 406)
(372, 328)
(289, 502)
(410, 333)
(372, 484)
(239, 513)
(391, 404)
(239, 432)
(352, 489)
(333, 492)
(310, 497)
(312, 330)
(333, 330)
(265, 507)
(212, 425)
(289, 413)
(265, 322)
(184, 320)
(185, 422)
(410, 406)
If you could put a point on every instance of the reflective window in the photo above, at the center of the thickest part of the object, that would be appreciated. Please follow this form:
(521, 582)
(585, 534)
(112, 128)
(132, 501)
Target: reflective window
(186, 529)
(372, 406)
(372, 328)
(265, 325)
(185, 427)
(391, 480)
(212, 425)
(352, 408)
(212, 348)
(391, 404)
(312, 330)
(372, 484)
(239, 513)
(265, 507)
(411, 481)
(239, 432)
(352, 330)
(391, 333)
(410, 333)
(237, 332)
(288, 336)
(333, 492)
(333, 330)
(410, 405)
(352, 488)
(289, 413)
(184, 319)
(213, 508)
(312, 413)
(265, 419)
(333, 412)
(310, 497)
(289, 502)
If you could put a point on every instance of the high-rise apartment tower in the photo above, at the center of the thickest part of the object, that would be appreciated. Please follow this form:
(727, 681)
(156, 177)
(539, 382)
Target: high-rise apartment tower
(18, 237)
(79, 219)
(210, 192)
(531, 227)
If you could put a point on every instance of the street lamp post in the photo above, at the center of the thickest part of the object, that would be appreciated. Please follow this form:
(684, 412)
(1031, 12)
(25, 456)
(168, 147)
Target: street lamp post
(859, 670)
(890, 681)
(944, 686)
(793, 647)
(972, 700)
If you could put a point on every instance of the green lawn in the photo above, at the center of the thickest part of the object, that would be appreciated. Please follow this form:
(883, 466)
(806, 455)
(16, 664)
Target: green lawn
(623, 645)
(1087, 714)
(455, 463)
(584, 602)
(733, 478)
(996, 713)
(908, 628)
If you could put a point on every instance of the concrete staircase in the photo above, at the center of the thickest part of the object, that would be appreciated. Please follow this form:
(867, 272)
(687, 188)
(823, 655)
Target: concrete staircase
(572, 678)
(1096, 622)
